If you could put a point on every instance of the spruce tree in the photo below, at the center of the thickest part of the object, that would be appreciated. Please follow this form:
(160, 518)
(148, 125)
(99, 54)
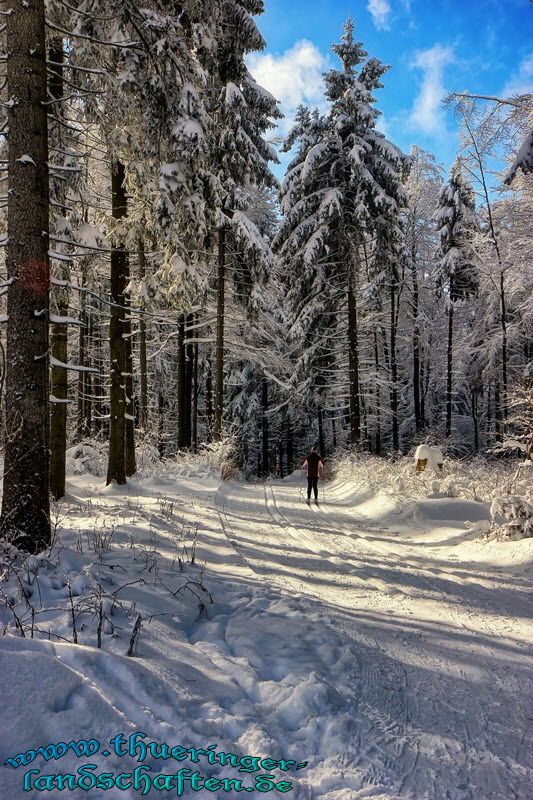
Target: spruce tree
(242, 112)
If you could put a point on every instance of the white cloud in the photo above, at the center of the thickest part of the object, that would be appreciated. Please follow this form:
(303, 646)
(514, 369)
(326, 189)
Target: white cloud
(294, 78)
(522, 81)
(427, 114)
(380, 10)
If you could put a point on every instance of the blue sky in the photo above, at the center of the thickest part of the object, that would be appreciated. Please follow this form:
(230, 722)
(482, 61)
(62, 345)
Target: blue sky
(433, 47)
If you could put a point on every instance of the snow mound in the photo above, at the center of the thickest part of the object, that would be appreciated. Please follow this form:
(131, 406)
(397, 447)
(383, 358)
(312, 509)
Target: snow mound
(83, 459)
(449, 509)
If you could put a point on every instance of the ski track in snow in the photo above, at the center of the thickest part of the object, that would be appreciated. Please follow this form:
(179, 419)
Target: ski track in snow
(448, 688)
(395, 669)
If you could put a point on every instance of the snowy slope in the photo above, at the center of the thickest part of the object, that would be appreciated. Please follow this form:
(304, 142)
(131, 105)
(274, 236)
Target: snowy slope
(382, 649)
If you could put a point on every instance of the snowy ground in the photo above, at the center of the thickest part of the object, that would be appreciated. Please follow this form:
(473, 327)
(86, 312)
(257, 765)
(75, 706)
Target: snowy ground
(382, 650)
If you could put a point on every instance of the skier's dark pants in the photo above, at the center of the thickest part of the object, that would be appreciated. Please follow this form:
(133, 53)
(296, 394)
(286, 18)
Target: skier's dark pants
(312, 483)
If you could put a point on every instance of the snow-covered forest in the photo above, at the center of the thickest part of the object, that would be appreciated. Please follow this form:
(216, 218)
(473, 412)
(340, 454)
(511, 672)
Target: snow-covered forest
(178, 329)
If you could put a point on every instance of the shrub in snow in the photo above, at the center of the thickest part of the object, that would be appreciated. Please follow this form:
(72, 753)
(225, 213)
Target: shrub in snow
(219, 457)
(83, 459)
(518, 511)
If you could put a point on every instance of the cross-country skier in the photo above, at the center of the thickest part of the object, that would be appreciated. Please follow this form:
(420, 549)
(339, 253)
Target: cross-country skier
(314, 467)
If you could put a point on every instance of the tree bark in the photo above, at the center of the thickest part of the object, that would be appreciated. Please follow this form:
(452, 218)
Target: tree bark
(143, 358)
(265, 460)
(81, 428)
(219, 345)
(419, 424)
(129, 388)
(59, 349)
(58, 410)
(475, 420)
(189, 381)
(503, 320)
(161, 444)
(116, 468)
(449, 368)
(378, 396)
(25, 504)
(321, 441)
(209, 401)
(289, 448)
(182, 386)
(394, 366)
(194, 421)
(353, 364)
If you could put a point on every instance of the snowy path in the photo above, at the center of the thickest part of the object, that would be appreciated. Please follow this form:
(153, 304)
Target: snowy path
(439, 649)
(387, 651)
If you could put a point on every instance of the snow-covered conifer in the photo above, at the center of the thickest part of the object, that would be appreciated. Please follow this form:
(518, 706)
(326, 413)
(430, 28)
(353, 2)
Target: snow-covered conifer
(458, 273)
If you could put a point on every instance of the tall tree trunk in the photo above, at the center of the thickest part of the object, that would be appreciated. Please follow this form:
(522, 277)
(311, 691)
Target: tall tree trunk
(189, 381)
(265, 443)
(81, 428)
(290, 450)
(394, 366)
(182, 389)
(219, 346)
(422, 394)
(129, 384)
(488, 419)
(58, 406)
(58, 350)
(116, 467)
(143, 359)
(498, 415)
(475, 420)
(503, 320)
(353, 363)
(449, 368)
(419, 424)
(195, 392)
(209, 401)
(2, 385)
(378, 396)
(98, 386)
(321, 441)
(161, 444)
(25, 503)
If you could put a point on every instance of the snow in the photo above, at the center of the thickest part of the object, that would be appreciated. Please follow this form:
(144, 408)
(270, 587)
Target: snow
(54, 362)
(431, 455)
(89, 236)
(523, 160)
(58, 320)
(26, 159)
(370, 646)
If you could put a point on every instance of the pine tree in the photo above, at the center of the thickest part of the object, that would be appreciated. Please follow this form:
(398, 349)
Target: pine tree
(345, 177)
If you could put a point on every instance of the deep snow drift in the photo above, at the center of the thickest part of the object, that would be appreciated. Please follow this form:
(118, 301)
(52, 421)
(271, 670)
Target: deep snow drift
(358, 648)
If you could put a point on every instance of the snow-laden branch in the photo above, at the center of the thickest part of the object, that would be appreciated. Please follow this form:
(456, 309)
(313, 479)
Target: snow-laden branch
(54, 362)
